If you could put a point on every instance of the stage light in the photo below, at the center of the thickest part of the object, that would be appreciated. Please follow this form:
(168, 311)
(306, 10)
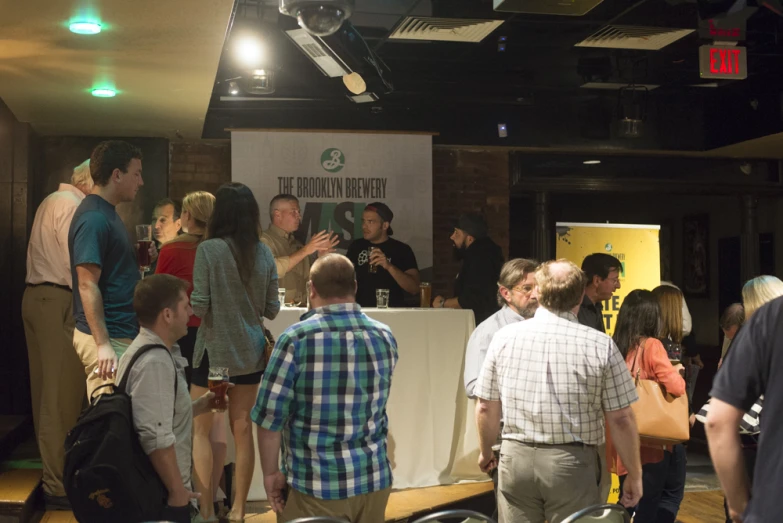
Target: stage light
(249, 52)
(85, 28)
(591, 162)
(502, 130)
(233, 88)
(104, 93)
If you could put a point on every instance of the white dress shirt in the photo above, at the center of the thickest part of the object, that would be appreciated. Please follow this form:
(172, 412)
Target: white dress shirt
(555, 379)
(47, 253)
(479, 341)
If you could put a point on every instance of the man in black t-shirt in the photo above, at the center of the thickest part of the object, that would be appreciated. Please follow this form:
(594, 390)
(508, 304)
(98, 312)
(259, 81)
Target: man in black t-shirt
(394, 261)
(752, 368)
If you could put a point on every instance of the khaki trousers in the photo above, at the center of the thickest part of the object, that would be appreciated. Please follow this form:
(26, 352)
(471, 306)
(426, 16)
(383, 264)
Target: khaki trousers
(56, 379)
(365, 508)
(546, 482)
(87, 350)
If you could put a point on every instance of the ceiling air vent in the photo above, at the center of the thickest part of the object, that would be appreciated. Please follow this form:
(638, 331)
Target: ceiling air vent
(444, 29)
(546, 7)
(633, 37)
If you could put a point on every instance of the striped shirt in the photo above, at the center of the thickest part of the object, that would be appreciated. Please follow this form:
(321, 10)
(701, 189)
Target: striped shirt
(326, 387)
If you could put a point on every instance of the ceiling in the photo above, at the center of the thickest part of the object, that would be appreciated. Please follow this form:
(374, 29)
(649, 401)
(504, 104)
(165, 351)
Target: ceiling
(464, 90)
(161, 56)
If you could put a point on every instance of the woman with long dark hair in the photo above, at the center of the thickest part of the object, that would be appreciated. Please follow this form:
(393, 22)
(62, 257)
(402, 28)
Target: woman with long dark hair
(234, 288)
(638, 325)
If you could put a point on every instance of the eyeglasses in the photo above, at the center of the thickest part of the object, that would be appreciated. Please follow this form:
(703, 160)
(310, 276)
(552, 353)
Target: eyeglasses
(524, 289)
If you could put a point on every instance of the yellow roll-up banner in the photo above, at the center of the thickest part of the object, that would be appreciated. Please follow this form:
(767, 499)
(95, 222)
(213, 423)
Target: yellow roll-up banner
(637, 248)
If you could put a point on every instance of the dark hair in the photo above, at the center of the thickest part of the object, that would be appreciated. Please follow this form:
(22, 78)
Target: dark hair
(236, 218)
(110, 155)
(733, 315)
(155, 293)
(174, 203)
(639, 318)
(599, 264)
(333, 276)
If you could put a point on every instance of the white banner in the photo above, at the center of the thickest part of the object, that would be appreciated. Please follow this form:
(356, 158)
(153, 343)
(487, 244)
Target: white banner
(335, 175)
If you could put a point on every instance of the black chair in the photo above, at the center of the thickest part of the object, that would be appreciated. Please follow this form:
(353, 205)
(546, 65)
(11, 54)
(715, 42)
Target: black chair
(605, 513)
(319, 519)
(451, 514)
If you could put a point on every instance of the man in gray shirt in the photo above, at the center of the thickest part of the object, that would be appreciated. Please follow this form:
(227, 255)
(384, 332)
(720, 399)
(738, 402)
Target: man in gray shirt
(162, 411)
(517, 295)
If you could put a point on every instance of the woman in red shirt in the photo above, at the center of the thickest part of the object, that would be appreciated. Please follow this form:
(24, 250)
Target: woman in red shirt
(638, 324)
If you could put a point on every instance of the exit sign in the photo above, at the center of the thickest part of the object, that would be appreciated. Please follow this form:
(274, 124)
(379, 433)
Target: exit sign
(723, 61)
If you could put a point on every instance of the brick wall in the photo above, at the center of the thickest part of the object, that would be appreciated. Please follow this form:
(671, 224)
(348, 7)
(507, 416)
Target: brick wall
(463, 181)
(466, 181)
(198, 167)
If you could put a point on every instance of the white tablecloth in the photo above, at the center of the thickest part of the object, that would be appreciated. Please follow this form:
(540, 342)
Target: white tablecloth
(432, 431)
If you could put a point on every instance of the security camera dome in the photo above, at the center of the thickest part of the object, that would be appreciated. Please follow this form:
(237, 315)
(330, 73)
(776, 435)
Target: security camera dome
(319, 17)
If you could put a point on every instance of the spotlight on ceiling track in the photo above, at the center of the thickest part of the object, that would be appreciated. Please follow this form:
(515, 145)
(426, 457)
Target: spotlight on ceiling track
(248, 51)
(318, 17)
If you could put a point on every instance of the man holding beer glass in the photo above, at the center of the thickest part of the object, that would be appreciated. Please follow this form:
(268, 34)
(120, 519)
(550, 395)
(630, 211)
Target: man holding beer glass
(382, 262)
(103, 263)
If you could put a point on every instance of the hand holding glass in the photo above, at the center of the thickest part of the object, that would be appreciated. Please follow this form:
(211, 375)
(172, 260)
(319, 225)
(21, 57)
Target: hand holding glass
(143, 243)
(218, 384)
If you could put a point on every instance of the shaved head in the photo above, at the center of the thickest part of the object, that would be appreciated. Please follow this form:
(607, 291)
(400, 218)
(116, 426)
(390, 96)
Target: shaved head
(561, 285)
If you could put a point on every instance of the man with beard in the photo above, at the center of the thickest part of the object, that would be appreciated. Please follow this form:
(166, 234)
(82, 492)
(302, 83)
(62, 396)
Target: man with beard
(382, 262)
(519, 301)
(482, 260)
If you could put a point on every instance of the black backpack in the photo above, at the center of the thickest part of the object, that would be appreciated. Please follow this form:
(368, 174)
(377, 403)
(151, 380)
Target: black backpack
(107, 475)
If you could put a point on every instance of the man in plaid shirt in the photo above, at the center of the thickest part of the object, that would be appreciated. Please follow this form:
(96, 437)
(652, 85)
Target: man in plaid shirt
(325, 389)
(554, 381)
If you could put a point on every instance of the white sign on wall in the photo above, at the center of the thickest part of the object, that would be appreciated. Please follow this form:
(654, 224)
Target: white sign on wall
(334, 175)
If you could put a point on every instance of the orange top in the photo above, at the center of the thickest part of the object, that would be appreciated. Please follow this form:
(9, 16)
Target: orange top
(655, 365)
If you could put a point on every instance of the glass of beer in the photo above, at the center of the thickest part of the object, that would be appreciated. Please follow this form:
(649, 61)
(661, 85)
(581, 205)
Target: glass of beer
(382, 298)
(425, 293)
(143, 243)
(218, 383)
(281, 296)
(372, 268)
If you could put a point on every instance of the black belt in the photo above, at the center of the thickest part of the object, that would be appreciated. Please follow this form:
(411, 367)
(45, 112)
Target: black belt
(49, 284)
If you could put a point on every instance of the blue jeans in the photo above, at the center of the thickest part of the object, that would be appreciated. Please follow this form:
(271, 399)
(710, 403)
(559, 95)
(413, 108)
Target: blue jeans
(664, 488)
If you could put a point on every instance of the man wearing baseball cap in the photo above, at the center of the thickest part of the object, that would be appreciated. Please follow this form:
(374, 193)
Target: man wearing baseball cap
(476, 285)
(393, 262)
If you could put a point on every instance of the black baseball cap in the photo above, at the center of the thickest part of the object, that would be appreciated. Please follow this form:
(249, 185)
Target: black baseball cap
(472, 224)
(382, 210)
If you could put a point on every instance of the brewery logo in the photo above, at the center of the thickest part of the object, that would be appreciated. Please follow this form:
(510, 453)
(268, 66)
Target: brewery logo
(332, 160)
(608, 247)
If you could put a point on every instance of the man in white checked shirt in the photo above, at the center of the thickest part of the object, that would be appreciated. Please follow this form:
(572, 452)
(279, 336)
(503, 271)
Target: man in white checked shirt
(554, 381)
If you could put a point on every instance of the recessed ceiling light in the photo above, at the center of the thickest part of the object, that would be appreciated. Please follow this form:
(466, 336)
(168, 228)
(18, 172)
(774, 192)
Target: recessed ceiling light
(85, 28)
(104, 93)
(591, 162)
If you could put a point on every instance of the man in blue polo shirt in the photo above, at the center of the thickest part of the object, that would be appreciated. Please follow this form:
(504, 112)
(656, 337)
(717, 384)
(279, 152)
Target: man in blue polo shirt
(103, 263)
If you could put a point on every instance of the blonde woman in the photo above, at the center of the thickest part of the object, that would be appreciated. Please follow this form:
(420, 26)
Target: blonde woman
(758, 291)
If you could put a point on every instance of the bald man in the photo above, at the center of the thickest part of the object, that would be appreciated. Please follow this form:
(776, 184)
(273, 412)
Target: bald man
(336, 355)
(555, 381)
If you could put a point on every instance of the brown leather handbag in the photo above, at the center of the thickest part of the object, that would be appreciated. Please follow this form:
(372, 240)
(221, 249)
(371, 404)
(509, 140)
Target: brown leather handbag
(660, 417)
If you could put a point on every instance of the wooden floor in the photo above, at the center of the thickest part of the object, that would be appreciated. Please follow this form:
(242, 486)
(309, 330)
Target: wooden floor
(697, 507)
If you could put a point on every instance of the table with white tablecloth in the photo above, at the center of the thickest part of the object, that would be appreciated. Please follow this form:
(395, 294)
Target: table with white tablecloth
(432, 432)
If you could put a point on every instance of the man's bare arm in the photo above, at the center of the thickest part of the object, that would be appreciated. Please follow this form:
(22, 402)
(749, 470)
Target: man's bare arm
(722, 429)
(92, 301)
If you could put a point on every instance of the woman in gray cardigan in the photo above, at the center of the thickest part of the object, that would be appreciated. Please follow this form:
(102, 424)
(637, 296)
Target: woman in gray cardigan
(234, 288)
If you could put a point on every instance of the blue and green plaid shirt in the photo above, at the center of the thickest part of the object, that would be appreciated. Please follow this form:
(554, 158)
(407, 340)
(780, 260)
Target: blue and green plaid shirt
(326, 387)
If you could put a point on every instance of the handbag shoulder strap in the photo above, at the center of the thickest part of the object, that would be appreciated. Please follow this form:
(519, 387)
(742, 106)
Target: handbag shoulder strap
(245, 284)
(636, 356)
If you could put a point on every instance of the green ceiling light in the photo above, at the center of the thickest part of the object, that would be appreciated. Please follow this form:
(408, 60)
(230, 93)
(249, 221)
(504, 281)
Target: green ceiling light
(104, 93)
(85, 28)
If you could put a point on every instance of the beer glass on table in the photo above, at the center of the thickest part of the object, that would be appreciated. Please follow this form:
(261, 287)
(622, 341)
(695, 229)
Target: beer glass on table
(218, 384)
(143, 244)
(281, 297)
(425, 293)
(382, 298)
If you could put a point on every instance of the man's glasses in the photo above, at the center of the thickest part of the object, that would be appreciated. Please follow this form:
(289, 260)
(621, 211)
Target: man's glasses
(524, 289)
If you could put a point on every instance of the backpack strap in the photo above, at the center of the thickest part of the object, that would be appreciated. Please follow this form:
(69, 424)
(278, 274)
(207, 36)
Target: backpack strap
(124, 382)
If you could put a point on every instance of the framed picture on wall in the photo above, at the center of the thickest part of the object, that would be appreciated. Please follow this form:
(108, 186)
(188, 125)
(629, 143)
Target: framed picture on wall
(696, 255)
